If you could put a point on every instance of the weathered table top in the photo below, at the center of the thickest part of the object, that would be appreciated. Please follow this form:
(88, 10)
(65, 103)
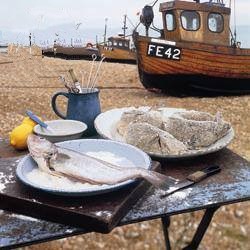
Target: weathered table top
(230, 186)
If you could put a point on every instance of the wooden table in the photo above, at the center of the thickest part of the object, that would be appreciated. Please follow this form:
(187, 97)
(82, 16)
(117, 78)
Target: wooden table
(230, 186)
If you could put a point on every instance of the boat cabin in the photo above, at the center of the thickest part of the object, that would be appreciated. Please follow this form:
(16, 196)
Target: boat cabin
(196, 22)
(119, 42)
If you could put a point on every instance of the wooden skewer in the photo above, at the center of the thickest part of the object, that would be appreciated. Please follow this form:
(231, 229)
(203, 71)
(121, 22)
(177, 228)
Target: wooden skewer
(94, 57)
(97, 73)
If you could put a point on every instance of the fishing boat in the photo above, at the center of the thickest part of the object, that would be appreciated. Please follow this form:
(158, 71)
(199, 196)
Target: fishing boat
(72, 51)
(3, 47)
(117, 48)
(195, 48)
(48, 51)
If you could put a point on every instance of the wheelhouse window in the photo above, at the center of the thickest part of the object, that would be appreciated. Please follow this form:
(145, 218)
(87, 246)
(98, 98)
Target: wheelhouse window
(170, 21)
(190, 20)
(215, 22)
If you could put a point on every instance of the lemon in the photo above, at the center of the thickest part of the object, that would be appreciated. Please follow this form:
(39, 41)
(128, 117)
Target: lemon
(27, 120)
(19, 135)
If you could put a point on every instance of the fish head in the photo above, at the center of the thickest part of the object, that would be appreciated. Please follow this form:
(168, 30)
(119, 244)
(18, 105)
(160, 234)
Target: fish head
(41, 150)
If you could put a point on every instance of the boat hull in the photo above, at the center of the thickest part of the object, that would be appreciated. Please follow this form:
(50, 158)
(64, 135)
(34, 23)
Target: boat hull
(213, 68)
(117, 55)
(183, 83)
(71, 52)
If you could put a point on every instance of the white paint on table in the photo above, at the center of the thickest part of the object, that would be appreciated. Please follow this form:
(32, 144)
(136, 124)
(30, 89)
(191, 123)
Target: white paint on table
(4, 180)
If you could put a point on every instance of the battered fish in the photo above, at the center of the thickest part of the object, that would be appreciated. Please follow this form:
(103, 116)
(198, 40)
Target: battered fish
(196, 134)
(152, 117)
(195, 115)
(152, 139)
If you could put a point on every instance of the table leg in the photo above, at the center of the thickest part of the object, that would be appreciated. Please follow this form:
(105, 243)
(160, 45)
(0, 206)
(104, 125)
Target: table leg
(202, 228)
(165, 225)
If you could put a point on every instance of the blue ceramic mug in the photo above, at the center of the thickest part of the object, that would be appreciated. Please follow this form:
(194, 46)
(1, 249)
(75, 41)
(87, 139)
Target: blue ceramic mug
(83, 107)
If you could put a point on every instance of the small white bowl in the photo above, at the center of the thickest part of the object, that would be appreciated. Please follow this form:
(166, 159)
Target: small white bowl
(64, 130)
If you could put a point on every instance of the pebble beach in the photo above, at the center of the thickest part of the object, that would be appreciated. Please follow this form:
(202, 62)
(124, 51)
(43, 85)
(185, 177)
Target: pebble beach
(28, 82)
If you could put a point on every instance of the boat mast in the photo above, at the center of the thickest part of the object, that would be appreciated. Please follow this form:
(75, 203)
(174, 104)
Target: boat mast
(124, 26)
(105, 31)
(233, 35)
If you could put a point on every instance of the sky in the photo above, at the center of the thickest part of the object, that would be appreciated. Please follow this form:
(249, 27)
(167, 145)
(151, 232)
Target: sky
(30, 14)
(23, 16)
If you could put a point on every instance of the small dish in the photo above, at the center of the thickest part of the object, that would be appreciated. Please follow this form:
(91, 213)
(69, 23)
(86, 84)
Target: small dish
(64, 130)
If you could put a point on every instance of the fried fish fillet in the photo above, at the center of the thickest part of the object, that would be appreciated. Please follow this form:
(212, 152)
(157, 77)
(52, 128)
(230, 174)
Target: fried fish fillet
(152, 117)
(152, 139)
(195, 115)
(195, 133)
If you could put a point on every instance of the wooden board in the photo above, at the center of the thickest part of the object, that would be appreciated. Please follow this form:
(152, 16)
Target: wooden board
(97, 213)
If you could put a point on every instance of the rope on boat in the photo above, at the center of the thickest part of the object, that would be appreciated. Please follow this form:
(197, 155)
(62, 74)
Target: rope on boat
(154, 3)
(130, 22)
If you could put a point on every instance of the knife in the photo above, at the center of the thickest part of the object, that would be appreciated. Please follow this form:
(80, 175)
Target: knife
(193, 178)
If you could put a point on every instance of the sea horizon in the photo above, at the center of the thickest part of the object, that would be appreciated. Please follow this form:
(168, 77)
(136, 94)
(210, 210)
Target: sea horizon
(65, 34)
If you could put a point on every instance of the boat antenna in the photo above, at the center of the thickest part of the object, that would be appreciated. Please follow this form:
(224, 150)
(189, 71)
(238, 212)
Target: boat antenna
(235, 33)
(105, 31)
(124, 26)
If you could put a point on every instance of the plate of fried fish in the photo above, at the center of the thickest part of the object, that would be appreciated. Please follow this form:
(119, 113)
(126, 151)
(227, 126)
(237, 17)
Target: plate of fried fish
(85, 167)
(166, 132)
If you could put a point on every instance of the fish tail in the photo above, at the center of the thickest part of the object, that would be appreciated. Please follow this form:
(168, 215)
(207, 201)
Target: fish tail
(158, 180)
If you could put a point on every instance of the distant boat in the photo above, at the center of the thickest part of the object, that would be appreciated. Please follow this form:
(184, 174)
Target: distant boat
(48, 51)
(118, 48)
(72, 52)
(3, 47)
(194, 49)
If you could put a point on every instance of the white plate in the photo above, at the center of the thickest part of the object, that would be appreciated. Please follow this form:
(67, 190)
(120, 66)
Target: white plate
(127, 152)
(106, 126)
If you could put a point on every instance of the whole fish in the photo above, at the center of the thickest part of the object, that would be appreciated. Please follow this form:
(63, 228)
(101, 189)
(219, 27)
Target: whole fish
(80, 167)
